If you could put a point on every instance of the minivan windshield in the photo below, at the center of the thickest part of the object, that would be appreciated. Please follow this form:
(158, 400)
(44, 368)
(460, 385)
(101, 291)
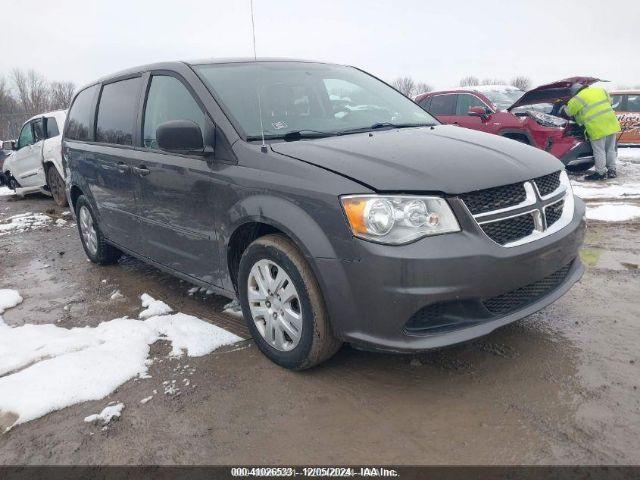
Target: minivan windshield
(307, 99)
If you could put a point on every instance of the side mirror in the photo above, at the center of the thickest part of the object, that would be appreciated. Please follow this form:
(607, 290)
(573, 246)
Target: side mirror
(180, 136)
(9, 145)
(478, 112)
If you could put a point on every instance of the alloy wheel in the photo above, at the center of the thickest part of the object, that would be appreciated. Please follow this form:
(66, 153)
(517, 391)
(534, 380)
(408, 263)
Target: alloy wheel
(88, 231)
(275, 305)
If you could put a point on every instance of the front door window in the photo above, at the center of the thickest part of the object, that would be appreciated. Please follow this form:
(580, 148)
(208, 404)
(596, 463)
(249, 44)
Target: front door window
(26, 136)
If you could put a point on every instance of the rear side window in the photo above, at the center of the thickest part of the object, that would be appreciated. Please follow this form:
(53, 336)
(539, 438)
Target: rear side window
(51, 126)
(81, 116)
(465, 102)
(616, 102)
(633, 103)
(168, 99)
(443, 105)
(117, 112)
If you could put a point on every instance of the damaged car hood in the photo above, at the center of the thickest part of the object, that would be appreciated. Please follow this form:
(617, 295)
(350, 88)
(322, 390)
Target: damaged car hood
(443, 158)
(553, 92)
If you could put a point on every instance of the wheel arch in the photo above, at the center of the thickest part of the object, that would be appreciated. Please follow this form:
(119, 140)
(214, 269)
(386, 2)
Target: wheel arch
(264, 215)
(515, 134)
(74, 193)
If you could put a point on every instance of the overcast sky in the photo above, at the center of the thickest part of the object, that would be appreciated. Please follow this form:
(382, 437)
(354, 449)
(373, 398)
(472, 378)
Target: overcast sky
(437, 42)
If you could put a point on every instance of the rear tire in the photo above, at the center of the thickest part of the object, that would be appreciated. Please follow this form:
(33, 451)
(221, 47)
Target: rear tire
(307, 341)
(56, 186)
(93, 241)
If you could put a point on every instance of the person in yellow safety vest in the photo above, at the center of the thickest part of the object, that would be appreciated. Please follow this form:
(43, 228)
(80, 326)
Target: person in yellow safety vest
(591, 108)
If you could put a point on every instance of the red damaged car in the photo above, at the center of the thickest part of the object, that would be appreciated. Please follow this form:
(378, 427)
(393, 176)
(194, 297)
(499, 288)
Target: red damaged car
(531, 117)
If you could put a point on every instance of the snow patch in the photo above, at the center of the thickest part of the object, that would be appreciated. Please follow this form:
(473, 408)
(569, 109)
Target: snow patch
(146, 399)
(613, 212)
(233, 308)
(23, 222)
(153, 307)
(629, 154)
(106, 415)
(589, 191)
(44, 368)
(6, 191)
(115, 295)
(9, 299)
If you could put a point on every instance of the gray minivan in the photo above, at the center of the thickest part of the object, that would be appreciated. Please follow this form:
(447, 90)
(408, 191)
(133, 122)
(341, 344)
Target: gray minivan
(333, 207)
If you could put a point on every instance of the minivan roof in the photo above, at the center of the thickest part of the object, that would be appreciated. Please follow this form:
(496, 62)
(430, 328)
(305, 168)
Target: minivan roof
(177, 65)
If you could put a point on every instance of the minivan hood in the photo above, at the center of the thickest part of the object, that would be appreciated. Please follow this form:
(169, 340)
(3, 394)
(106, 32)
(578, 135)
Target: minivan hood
(552, 92)
(443, 158)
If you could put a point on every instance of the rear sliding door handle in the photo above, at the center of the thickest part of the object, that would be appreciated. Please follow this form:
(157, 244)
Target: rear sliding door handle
(141, 170)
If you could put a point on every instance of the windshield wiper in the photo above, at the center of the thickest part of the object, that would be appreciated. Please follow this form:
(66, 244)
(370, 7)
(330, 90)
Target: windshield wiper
(293, 135)
(305, 133)
(379, 125)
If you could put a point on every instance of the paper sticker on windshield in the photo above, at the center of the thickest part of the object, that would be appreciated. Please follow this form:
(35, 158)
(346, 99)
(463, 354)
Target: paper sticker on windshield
(279, 125)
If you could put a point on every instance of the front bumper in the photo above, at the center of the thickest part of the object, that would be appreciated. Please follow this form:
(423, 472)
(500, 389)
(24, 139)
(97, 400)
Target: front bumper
(579, 155)
(372, 298)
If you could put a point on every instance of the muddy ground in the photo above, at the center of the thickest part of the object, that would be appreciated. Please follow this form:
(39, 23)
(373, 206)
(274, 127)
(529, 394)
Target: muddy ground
(559, 387)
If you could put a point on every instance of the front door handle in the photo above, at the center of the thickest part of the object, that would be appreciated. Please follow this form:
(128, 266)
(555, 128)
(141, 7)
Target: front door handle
(123, 167)
(141, 170)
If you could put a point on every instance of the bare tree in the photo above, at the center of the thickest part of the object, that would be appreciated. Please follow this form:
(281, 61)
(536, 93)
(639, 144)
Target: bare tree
(469, 81)
(404, 85)
(410, 88)
(7, 102)
(493, 81)
(521, 82)
(26, 94)
(422, 87)
(33, 91)
(60, 95)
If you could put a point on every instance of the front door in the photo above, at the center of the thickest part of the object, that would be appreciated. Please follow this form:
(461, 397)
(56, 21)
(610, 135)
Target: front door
(176, 192)
(27, 161)
(464, 103)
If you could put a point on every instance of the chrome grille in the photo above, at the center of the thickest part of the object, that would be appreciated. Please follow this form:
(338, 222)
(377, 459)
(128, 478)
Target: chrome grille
(554, 212)
(548, 184)
(519, 213)
(510, 229)
(495, 198)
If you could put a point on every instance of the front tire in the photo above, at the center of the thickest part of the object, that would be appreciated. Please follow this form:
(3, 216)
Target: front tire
(56, 186)
(283, 304)
(12, 183)
(93, 241)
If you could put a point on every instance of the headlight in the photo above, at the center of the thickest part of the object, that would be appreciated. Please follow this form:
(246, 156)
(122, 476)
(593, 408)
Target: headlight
(398, 219)
(547, 120)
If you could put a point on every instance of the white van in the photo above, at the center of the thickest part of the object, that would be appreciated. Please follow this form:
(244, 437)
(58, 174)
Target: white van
(36, 163)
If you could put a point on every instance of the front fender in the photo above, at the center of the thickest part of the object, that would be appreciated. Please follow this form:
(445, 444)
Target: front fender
(287, 217)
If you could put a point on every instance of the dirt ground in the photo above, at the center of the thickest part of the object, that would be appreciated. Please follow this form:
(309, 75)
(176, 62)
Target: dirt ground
(558, 387)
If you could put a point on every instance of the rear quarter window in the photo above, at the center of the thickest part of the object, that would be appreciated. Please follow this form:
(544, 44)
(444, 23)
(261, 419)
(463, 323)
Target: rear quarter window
(81, 115)
(117, 111)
